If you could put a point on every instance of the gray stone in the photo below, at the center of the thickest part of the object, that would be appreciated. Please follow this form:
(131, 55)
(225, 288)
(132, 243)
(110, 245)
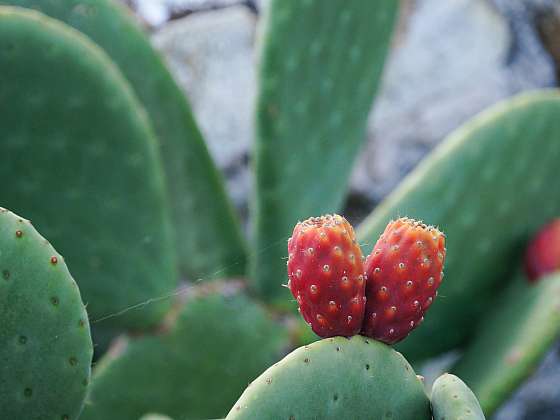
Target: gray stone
(452, 60)
(211, 56)
(157, 12)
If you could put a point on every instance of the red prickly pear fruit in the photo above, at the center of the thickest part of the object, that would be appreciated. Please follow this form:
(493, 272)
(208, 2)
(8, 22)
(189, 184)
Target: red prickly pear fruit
(404, 271)
(543, 252)
(326, 275)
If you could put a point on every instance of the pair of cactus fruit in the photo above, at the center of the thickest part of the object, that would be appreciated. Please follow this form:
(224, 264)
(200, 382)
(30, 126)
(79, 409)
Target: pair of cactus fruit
(383, 296)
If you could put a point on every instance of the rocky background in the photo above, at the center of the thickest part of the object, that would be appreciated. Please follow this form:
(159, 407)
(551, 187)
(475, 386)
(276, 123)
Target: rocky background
(449, 61)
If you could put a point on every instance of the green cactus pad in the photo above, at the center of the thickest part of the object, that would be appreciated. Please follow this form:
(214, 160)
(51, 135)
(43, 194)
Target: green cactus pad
(45, 343)
(512, 340)
(487, 186)
(195, 369)
(80, 160)
(320, 68)
(453, 400)
(213, 246)
(336, 378)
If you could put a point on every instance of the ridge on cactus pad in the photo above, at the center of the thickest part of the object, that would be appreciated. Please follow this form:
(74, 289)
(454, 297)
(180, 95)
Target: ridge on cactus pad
(45, 342)
(336, 378)
(326, 275)
(403, 272)
(84, 166)
(542, 255)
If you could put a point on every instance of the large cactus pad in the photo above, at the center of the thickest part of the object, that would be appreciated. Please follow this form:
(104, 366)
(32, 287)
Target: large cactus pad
(80, 160)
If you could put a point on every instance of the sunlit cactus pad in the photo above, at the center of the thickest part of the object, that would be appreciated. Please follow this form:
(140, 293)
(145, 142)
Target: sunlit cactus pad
(336, 378)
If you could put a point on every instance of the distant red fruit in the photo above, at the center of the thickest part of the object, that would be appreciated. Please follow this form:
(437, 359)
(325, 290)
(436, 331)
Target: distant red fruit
(543, 252)
(326, 275)
(404, 271)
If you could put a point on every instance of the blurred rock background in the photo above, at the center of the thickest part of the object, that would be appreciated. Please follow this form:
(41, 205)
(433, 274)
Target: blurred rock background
(449, 61)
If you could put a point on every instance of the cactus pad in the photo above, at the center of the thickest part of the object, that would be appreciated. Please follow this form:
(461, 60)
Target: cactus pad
(81, 162)
(336, 378)
(512, 339)
(45, 343)
(453, 400)
(196, 368)
(480, 187)
(320, 67)
(213, 246)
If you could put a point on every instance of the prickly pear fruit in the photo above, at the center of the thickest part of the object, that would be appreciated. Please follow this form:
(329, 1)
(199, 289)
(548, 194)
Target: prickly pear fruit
(404, 271)
(326, 275)
(543, 252)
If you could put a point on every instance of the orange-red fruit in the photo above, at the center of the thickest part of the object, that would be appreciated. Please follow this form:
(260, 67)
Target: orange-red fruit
(543, 252)
(404, 271)
(326, 275)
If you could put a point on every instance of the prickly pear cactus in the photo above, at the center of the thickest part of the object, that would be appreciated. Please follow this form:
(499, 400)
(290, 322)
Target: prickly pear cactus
(511, 340)
(453, 400)
(213, 246)
(320, 67)
(45, 344)
(480, 186)
(82, 163)
(336, 378)
(194, 368)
